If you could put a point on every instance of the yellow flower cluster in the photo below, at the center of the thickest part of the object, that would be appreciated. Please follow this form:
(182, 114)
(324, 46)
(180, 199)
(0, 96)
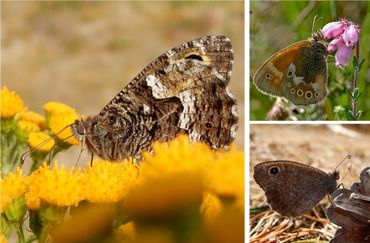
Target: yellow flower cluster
(10, 104)
(104, 182)
(178, 173)
(58, 117)
(12, 187)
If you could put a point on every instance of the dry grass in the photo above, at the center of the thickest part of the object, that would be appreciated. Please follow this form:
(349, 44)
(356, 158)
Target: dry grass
(269, 226)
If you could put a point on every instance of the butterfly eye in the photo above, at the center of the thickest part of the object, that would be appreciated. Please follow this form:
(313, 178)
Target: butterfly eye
(274, 170)
(268, 75)
(299, 92)
(208, 125)
(308, 94)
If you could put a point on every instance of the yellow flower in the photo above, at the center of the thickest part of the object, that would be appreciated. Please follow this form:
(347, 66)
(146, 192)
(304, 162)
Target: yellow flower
(225, 177)
(3, 239)
(36, 138)
(56, 186)
(211, 207)
(12, 186)
(25, 127)
(33, 117)
(127, 231)
(86, 223)
(165, 195)
(107, 182)
(11, 103)
(58, 117)
(177, 156)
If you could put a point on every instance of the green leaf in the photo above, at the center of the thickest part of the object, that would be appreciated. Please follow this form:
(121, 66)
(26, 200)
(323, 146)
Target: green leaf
(349, 92)
(357, 93)
(360, 65)
(355, 61)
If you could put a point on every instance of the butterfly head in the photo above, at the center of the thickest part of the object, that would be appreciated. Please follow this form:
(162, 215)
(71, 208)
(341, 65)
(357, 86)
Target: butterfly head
(79, 130)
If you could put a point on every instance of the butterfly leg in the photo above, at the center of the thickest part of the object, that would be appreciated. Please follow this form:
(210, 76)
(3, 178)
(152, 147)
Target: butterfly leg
(91, 160)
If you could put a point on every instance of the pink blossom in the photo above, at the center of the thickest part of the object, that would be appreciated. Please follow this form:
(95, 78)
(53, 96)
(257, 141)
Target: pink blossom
(343, 54)
(350, 36)
(333, 29)
(346, 35)
(333, 45)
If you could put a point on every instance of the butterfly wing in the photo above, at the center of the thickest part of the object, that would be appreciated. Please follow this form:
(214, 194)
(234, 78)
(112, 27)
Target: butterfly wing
(292, 188)
(184, 90)
(298, 73)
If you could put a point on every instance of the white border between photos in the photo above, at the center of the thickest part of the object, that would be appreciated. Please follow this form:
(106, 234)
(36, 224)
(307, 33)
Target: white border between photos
(246, 120)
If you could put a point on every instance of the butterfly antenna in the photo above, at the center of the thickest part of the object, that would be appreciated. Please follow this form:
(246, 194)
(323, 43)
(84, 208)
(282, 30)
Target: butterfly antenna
(347, 157)
(315, 20)
(25, 154)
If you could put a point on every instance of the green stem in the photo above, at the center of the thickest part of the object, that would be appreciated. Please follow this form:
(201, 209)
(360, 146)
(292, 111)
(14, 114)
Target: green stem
(355, 81)
(20, 233)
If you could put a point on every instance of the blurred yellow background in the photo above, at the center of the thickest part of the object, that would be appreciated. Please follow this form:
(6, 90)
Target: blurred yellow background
(84, 53)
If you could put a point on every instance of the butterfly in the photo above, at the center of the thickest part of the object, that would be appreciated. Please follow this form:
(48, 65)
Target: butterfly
(292, 188)
(185, 90)
(297, 72)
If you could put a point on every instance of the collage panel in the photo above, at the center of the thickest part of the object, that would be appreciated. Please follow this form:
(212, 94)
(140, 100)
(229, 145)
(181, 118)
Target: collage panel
(308, 60)
(122, 121)
(309, 183)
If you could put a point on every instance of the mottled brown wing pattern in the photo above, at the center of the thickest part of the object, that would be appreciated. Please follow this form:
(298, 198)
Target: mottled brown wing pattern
(185, 90)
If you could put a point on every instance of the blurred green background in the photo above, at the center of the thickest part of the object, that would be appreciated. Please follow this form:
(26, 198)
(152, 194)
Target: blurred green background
(84, 53)
(275, 25)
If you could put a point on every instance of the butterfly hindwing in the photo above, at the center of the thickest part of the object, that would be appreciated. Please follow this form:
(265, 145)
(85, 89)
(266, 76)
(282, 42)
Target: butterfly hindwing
(292, 188)
(297, 73)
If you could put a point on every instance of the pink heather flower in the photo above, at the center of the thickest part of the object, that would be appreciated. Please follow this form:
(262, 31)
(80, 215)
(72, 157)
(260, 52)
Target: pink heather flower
(343, 54)
(333, 29)
(346, 35)
(333, 45)
(350, 36)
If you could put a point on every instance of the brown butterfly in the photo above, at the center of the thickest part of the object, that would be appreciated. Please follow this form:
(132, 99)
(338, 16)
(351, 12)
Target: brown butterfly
(297, 72)
(292, 188)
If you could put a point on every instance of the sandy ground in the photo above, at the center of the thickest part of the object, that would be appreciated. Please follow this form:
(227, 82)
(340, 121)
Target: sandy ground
(321, 146)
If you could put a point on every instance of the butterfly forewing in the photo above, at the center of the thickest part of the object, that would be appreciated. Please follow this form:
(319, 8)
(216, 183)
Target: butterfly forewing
(185, 90)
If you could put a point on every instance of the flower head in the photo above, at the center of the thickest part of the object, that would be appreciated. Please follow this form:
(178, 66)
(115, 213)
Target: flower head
(33, 117)
(36, 138)
(58, 117)
(107, 182)
(56, 186)
(12, 186)
(346, 35)
(10, 104)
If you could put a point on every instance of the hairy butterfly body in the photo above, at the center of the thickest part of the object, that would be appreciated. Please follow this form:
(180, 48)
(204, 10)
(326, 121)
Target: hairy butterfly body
(185, 90)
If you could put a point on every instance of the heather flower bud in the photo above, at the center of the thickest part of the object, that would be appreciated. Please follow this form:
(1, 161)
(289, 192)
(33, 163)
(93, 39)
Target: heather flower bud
(350, 36)
(333, 29)
(333, 45)
(342, 55)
